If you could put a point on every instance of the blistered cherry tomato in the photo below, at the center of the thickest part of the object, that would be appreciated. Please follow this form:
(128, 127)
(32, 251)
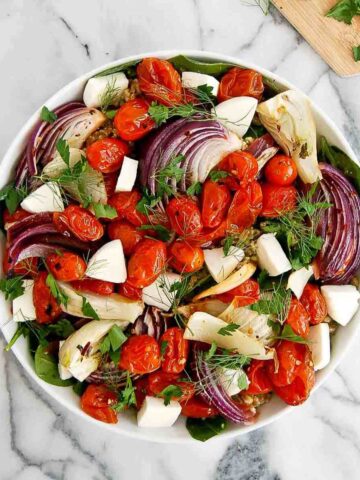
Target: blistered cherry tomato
(96, 401)
(245, 207)
(239, 82)
(66, 266)
(158, 381)
(79, 222)
(290, 356)
(258, 378)
(215, 201)
(197, 408)
(298, 318)
(208, 235)
(125, 204)
(129, 235)
(91, 285)
(281, 170)
(184, 257)
(176, 350)
(146, 263)
(46, 308)
(106, 155)
(110, 180)
(314, 303)
(242, 165)
(127, 290)
(184, 216)
(19, 214)
(159, 81)
(245, 294)
(140, 355)
(278, 200)
(132, 120)
(141, 391)
(27, 267)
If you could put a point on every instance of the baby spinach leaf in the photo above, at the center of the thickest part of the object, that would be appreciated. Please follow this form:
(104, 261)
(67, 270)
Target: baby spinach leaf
(46, 368)
(186, 64)
(128, 68)
(203, 429)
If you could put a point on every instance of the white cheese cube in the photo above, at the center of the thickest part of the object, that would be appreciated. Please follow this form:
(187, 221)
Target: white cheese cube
(158, 293)
(194, 80)
(220, 265)
(342, 301)
(64, 373)
(127, 176)
(46, 198)
(155, 414)
(23, 306)
(229, 380)
(271, 256)
(97, 88)
(319, 344)
(236, 114)
(297, 280)
(108, 263)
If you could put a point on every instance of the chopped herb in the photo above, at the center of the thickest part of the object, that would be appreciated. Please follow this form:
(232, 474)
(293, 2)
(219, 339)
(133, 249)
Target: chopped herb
(170, 392)
(226, 359)
(194, 189)
(104, 211)
(12, 287)
(356, 53)
(117, 337)
(12, 196)
(163, 347)
(147, 202)
(170, 171)
(56, 291)
(205, 94)
(111, 95)
(163, 233)
(203, 429)
(211, 352)
(345, 11)
(289, 334)
(126, 396)
(217, 175)
(228, 330)
(47, 115)
(88, 310)
(64, 151)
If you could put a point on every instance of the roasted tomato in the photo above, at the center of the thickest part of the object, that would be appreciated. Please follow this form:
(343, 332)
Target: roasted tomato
(19, 214)
(110, 180)
(159, 81)
(239, 82)
(278, 200)
(158, 381)
(125, 204)
(140, 355)
(215, 201)
(281, 171)
(106, 155)
(258, 378)
(129, 235)
(146, 263)
(46, 308)
(91, 285)
(242, 165)
(209, 235)
(132, 120)
(298, 318)
(66, 266)
(314, 303)
(184, 257)
(96, 401)
(127, 290)
(184, 216)
(27, 267)
(245, 294)
(290, 356)
(176, 350)
(79, 222)
(141, 390)
(245, 207)
(197, 408)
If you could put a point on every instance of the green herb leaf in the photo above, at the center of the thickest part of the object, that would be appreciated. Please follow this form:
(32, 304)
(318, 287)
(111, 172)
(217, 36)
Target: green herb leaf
(21, 331)
(105, 345)
(203, 429)
(211, 352)
(126, 396)
(47, 115)
(117, 337)
(79, 388)
(159, 113)
(111, 113)
(56, 291)
(243, 381)
(104, 211)
(170, 171)
(186, 64)
(12, 287)
(147, 202)
(163, 346)
(345, 11)
(46, 368)
(162, 232)
(356, 53)
(289, 335)
(62, 328)
(275, 300)
(64, 151)
(228, 330)
(217, 175)
(170, 392)
(194, 189)
(12, 196)
(88, 310)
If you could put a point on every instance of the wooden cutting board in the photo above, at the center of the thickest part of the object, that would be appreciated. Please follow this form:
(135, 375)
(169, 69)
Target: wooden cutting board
(333, 40)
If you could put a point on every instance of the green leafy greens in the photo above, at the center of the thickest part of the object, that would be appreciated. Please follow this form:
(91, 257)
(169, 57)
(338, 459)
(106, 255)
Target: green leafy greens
(12, 196)
(56, 291)
(170, 392)
(46, 368)
(12, 287)
(88, 310)
(203, 429)
(126, 396)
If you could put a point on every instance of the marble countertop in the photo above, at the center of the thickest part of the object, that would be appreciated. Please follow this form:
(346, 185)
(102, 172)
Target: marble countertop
(43, 45)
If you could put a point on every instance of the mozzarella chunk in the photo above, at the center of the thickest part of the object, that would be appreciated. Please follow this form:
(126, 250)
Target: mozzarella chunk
(127, 176)
(155, 414)
(194, 80)
(220, 265)
(229, 380)
(23, 306)
(297, 280)
(64, 373)
(158, 293)
(46, 198)
(342, 301)
(236, 114)
(96, 88)
(271, 256)
(319, 344)
(108, 263)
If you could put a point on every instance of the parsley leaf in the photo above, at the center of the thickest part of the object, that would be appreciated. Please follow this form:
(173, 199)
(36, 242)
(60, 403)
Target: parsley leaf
(104, 211)
(147, 202)
(56, 291)
(88, 310)
(243, 381)
(47, 115)
(194, 189)
(228, 330)
(159, 113)
(217, 175)
(64, 151)
(170, 392)
(12, 196)
(356, 53)
(345, 11)
(163, 233)
(126, 396)
(171, 171)
(12, 287)
(211, 352)
(289, 335)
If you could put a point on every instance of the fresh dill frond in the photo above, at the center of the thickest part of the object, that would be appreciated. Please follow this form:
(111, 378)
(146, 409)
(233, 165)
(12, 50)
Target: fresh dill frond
(111, 96)
(274, 301)
(263, 4)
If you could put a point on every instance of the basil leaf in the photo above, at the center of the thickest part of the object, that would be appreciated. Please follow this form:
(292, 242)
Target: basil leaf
(46, 368)
(186, 64)
(203, 429)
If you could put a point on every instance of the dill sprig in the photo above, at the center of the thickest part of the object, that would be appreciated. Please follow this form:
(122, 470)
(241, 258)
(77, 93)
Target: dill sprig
(111, 96)
(263, 4)
(274, 300)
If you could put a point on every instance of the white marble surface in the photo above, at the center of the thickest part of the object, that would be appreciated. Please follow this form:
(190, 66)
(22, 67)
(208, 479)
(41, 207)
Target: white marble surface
(43, 45)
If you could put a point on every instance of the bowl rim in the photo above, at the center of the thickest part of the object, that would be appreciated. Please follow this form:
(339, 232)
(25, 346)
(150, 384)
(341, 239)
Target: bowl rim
(11, 156)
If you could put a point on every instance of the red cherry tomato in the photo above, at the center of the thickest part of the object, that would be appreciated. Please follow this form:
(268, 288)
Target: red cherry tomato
(184, 216)
(27, 267)
(242, 165)
(239, 82)
(127, 290)
(132, 120)
(96, 401)
(79, 222)
(106, 155)
(46, 308)
(277, 200)
(146, 263)
(141, 390)
(298, 318)
(125, 204)
(197, 408)
(245, 207)
(140, 355)
(184, 257)
(110, 180)
(129, 235)
(314, 303)
(19, 214)
(245, 294)
(215, 201)
(159, 81)
(66, 266)
(281, 171)
(158, 381)
(91, 285)
(258, 378)
(290, 356)
(209, 235)
(176, 350)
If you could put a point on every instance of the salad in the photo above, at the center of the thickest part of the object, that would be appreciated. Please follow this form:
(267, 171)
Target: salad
(180, 242)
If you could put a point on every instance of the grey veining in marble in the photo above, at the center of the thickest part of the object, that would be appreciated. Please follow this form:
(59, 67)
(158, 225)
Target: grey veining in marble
(43, 45)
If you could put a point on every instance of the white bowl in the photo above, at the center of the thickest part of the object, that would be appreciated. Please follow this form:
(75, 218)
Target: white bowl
(127, 423)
